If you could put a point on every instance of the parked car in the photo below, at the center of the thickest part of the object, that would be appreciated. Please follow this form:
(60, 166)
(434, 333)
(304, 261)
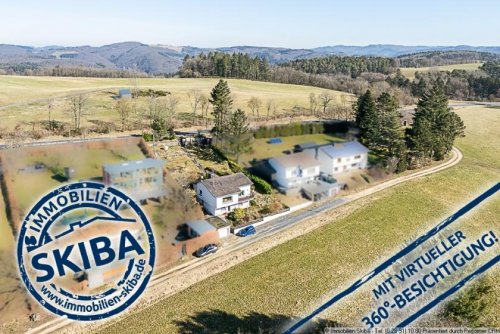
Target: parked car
(246, 231)
(205, 250)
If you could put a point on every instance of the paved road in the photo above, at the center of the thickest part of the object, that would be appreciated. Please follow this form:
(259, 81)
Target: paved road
(265, 231)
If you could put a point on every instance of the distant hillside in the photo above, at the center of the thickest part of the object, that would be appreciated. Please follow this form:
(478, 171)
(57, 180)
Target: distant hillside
(165, 59)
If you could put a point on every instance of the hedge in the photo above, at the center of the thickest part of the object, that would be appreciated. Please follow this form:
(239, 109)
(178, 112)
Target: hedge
(298, 129)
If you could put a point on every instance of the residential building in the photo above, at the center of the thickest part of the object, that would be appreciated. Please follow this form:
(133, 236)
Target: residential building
(223, 194)
(293, 170)
(340, 157)
(142, 179)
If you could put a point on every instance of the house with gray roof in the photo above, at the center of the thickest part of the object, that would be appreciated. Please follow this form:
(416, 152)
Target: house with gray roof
(222, 194)
(340, 157)
(293, 170)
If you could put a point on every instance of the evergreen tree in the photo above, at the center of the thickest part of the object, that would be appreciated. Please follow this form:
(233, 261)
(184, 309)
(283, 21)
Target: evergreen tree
(435, 126)
(221, 100)
(368, 120)
(238, 136)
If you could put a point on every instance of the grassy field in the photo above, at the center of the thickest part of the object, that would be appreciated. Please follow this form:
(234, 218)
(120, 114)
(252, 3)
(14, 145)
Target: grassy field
(409, 72)
(288, 280)
(27, 97)
(262, 150)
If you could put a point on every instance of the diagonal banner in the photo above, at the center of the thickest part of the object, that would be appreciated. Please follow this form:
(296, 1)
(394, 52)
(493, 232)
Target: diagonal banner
(392, 260)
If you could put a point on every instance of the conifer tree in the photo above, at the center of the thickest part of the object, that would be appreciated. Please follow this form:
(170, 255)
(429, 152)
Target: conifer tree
(221, 100)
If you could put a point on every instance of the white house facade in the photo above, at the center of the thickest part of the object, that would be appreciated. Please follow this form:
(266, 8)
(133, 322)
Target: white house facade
(340, 157)
(294, 170)
(222, 194)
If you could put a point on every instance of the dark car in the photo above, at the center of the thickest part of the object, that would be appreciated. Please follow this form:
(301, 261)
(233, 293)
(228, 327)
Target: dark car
(246, 231)
(205, 250)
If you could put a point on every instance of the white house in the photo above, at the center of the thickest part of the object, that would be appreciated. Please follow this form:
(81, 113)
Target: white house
(223, 194)
(293, 170)
(340, 157)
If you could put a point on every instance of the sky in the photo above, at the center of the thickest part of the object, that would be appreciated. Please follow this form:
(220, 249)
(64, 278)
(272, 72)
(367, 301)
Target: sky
(216, 23)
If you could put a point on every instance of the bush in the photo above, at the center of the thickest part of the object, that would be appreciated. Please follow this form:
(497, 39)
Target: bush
(261, 185)
(148, 136)
(468, 308)
(298, 129)
(236, 215)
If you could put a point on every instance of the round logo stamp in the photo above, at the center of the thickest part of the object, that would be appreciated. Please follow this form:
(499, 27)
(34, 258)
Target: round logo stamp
(86, 251)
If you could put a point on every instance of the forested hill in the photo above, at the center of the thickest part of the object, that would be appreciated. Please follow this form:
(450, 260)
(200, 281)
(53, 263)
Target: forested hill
(166, 59)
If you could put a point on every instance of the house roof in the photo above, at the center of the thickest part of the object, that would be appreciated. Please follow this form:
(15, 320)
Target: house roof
(302, 159)
(133, 165)
(200, 227)
(346, 149)
(225, 185)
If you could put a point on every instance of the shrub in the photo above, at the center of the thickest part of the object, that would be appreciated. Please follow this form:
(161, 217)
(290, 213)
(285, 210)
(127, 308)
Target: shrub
(148, 136)
(236, 215)
(261, 185)
(468, 308)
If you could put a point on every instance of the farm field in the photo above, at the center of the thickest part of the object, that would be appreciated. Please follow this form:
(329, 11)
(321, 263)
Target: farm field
(290, 279)
(409, 72)
(261, 149)
(27, 98)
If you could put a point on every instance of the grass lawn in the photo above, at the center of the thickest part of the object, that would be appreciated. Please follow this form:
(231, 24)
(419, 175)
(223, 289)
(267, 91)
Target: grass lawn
(263, 150)
(409, 72)
(290, 279)
(30, 96)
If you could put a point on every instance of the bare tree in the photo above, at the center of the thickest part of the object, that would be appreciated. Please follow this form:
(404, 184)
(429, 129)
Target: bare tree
(194, 96)
(270, 107)
(49, 107)
(170, 108)
(204, 104)
(325, 99)
(254, 104)
(124, 109)
(77, 108)
(313, 103)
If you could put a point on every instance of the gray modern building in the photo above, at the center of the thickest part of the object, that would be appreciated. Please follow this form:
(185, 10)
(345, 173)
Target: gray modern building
(142, 179)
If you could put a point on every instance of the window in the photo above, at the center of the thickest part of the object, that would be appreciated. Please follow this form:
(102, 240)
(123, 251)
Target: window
(227, 199)
(339, 160)
(201, 192)
(357, 157)
(242, 193)
(336, 169)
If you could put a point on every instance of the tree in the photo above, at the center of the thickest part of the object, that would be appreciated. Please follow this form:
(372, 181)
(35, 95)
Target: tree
(270, 107)
(313, 103)
(367, 120)
(77, 108)
(204, 105)
(124, 109)
(254, 104)
(238, 137)
(392, 139)
(435, 125)
(194, 96)
(221, 100)
(325, 99)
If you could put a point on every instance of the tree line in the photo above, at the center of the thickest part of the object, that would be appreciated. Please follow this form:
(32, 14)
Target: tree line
(431, 137)
(225, 65)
